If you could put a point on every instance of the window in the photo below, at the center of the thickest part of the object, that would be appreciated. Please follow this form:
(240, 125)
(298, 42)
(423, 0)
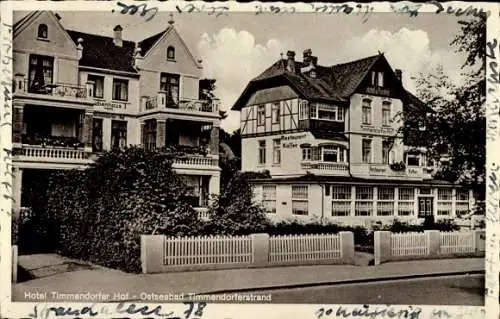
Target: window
(385, 203)
(97, 85)
(41, 70)
(300, 199)
(169, 84)
(364, 201)
(327, 112)
(120, 90)
(313, 111)
(118, 134)
(377, 78)
(170, 53)
(43, 31)
(275, 113)
(367, 150)
(341, 200)
(462, 202)
(150, 134)
(444, 201)
(406, 201)
(261, 114)
(386, 113)
(412, 159)
(262, 152)
(269, 198)
(277, 151)
(333, 154)
(366, 112)
(97, 135)
(303, 110)
(306, 154)
(386, 148)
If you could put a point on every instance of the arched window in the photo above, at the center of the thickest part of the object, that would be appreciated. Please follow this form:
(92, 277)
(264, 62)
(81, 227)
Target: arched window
(171, 53)
(43, 31)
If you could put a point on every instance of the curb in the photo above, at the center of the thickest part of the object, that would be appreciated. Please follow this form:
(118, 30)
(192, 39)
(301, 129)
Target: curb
(344, 282)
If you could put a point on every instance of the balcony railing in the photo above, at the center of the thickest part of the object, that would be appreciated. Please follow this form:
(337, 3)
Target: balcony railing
(57, 141)
(160, 102)
(40, 152)
(326, 166)
(21, 85)
(196, 160)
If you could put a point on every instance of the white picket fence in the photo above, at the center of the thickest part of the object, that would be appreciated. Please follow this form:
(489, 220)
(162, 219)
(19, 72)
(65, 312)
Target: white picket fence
(296, 248)
(457, 242)
(207, 250)
(409, 244)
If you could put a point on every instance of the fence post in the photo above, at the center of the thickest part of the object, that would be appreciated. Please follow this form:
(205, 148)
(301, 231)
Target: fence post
(433, 242)
(479, 242)
(347, 247)
(382, 246)
(152, 253)
(260, 249)
(14, 263)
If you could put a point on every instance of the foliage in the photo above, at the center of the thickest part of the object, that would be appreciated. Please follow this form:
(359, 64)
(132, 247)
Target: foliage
(234, 212)
(398, 226)
(455, 131)
(102, 211)
(400, 166)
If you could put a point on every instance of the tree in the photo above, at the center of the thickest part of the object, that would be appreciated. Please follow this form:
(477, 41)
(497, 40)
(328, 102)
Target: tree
(456, 126)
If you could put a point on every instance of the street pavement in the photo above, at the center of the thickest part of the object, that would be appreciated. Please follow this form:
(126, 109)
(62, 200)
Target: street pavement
(445, 290)
(82, 277)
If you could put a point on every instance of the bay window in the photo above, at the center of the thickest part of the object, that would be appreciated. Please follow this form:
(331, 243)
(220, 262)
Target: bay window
(327, 112)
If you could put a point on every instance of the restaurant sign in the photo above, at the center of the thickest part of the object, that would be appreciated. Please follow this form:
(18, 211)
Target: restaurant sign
(292, 141)
(378, 130)
(378, 91)
(109, 105)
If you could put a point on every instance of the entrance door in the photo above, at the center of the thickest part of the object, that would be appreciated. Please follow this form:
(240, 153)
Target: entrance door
(425, 206)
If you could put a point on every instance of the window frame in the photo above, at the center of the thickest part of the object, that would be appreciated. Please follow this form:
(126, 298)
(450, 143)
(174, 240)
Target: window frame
(404, 202)
(299, 199)
(40, 66)
(386, 151)
(119, 132)
(366, 117)
(341, 200)
(261, 115)
(276, 151)
(369, 156)
(93, 78)
(303, 110)
(271, 201)
(169, 82)
(275, 113)
(386, 118)
(383, 203)
(170, 50)
(42, 27)
(262, 152)
(124, 83)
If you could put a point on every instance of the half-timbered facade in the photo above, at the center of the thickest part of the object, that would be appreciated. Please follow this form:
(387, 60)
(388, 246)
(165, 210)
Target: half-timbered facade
(77, 94)
(329, 137)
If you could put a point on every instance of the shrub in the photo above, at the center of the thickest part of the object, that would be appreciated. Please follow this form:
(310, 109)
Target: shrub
(234, 211)
(101, 212)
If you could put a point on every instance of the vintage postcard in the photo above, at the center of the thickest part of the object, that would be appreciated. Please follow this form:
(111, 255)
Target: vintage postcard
(232, 160)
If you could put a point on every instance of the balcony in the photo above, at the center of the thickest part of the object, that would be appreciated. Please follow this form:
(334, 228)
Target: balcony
(196, 160)
(54, 91)
(159, 102)
(326, 168)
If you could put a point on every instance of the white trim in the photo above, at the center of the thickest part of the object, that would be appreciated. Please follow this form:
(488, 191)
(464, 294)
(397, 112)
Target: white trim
(92, 69)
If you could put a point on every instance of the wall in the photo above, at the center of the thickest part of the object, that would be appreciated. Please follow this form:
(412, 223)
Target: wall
(155, 62)
(58, 45)
(375, 130)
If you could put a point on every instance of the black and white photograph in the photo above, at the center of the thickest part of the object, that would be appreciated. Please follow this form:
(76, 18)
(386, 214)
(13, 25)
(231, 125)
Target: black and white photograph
(175, 157)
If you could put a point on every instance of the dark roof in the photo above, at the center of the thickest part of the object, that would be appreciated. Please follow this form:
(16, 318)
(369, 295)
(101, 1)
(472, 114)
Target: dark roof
(25, 18)
(311, 178)
(148, 43)
(347, 76)
(100, 52)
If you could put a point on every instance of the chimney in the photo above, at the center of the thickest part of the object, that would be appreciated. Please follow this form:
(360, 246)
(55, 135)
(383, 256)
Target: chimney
(79, 48)
(117, 40)
(399, 74)
(306, 57)
(290, 65)
(314, 61)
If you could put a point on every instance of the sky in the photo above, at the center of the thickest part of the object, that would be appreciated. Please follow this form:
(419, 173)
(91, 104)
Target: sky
(237, 47)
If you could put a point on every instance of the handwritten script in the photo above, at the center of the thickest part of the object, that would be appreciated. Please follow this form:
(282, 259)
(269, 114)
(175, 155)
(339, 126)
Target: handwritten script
(193, 311)
(368, 311)
(6, 115)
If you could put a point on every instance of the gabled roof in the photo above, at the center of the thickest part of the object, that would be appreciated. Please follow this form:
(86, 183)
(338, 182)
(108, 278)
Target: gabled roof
(148, 43)
(101, 52)
(27, 17)
(333, 83)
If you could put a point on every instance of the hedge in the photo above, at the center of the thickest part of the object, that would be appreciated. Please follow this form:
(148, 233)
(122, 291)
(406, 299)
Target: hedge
(100, 212)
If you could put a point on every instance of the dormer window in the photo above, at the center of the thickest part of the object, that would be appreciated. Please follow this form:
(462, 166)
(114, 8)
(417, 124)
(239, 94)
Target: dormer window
(170, 53)
(43, 31)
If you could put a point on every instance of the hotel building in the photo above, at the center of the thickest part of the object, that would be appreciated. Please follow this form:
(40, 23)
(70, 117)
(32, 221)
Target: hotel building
(329, 137)
(77, 94)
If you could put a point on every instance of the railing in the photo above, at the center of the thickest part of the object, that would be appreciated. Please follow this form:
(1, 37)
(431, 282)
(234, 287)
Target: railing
(53, 89)
(196, 160)
(60, 153)
(409, 244)
(325, 166)
(457, 242)
(160, 102)
(207, 250)
(295, 248)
